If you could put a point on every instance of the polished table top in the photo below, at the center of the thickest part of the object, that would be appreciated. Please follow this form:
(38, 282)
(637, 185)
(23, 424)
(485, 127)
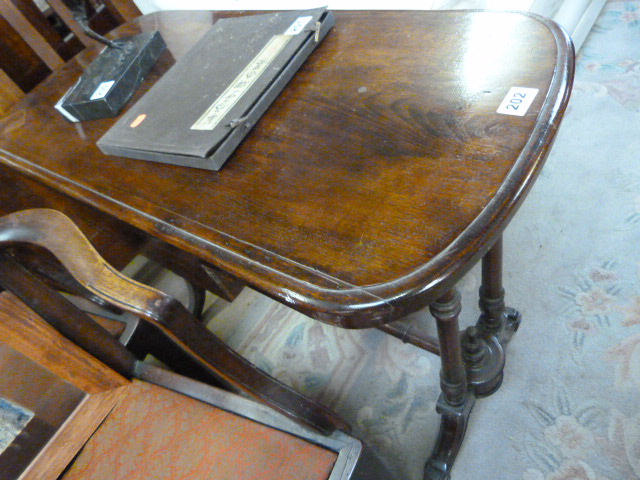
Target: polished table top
(378, 177)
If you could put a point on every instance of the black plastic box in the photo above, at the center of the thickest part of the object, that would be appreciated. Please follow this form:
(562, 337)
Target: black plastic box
(110, 80)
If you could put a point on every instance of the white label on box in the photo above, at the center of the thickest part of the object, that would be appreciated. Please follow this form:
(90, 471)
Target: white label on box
(242, 83)
(297, 26)
(102, 90)
(517, 101)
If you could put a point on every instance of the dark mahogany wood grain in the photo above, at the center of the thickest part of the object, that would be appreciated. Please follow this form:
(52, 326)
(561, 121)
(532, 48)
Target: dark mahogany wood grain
(372, 184)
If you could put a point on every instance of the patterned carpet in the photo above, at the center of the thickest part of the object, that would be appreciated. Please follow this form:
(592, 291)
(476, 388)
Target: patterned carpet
(569, 408)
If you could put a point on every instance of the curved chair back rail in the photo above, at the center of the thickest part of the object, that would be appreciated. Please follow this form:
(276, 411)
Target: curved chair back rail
(59, 235)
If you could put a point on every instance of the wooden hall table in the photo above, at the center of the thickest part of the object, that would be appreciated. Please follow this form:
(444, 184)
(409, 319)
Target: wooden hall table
(376, 180)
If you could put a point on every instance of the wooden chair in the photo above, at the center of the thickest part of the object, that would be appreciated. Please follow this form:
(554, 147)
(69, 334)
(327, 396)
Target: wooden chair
(164, 328)
(160, 424)
(87, 422)
(36, 37)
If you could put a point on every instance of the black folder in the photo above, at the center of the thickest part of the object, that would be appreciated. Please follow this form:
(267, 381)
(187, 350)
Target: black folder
(202, 108)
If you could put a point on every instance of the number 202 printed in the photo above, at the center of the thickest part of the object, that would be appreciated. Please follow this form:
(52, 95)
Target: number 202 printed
(517, 101)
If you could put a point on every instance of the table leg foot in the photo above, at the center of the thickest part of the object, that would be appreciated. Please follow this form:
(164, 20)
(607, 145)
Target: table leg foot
(453, 425)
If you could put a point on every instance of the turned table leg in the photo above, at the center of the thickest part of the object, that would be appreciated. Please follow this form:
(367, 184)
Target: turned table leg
(455, 403)
(495, 318)
(472, 363)
(483, 345)
(491, 291)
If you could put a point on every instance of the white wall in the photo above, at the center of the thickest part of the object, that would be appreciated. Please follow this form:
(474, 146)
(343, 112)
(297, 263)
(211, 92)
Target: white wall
(148, 6)
(576, 16)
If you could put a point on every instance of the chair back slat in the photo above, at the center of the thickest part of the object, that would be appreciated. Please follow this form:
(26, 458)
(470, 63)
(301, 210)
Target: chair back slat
(35, 40)
(67, 17)
(11, 93)
(30, 34)
(126, 9)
